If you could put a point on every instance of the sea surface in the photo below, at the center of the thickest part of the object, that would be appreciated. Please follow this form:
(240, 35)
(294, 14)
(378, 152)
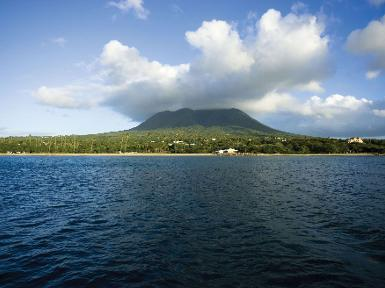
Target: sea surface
(192, 221)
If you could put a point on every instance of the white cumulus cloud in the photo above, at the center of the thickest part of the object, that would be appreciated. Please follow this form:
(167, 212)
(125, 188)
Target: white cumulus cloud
(335, 115)
(334, 105)
(370, 41)
(273, 102)
(223, 51)
(379, 112)
(70, 96)
(316, 107)
(285, 53)
(58, 97)
(134, 5)
(312, 86)
(372, 74)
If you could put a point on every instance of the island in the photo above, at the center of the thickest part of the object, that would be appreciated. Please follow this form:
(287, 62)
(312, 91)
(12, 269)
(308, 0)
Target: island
(192, 132)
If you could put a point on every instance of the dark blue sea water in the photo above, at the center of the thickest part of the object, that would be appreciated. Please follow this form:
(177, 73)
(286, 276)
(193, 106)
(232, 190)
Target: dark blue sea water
(192, 221)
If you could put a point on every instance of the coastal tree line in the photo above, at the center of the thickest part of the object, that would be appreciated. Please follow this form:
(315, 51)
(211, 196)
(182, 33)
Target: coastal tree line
(185, 141)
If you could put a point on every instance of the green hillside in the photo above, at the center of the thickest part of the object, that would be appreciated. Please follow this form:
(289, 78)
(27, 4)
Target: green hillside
(229, 119)
(185, 140)
(189, 131)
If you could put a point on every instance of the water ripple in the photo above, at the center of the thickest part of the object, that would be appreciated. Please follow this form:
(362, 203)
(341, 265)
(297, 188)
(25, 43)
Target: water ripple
(192, 222)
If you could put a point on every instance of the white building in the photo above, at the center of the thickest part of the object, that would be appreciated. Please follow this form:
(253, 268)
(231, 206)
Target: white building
(355, 140)
(229, 151)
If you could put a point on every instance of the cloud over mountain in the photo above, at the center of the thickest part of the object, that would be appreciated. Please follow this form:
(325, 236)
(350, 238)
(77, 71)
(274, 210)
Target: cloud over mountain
(259, 74)
(285, 53)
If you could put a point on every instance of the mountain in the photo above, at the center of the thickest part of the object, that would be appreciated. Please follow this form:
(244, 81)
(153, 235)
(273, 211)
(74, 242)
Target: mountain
(229, 119)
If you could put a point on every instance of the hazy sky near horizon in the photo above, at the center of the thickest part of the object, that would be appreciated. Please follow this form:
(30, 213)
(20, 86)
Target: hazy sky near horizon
(77, 67)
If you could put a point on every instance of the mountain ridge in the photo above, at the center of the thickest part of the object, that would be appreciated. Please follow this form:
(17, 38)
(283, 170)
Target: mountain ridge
(230, 118)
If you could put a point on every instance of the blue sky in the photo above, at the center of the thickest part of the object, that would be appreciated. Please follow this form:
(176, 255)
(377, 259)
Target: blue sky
(76, 67)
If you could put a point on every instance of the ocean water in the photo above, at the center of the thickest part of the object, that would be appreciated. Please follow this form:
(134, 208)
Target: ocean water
(192, 221)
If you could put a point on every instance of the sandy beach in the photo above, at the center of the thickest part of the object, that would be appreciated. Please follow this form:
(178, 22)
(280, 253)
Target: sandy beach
(109, 154)
(179, 154)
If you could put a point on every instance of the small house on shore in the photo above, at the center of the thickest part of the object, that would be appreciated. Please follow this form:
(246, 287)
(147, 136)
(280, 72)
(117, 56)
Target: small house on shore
(355, 140)
(229, 151)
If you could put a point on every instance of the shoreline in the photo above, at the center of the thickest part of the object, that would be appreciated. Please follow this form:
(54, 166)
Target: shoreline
(180, 154)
